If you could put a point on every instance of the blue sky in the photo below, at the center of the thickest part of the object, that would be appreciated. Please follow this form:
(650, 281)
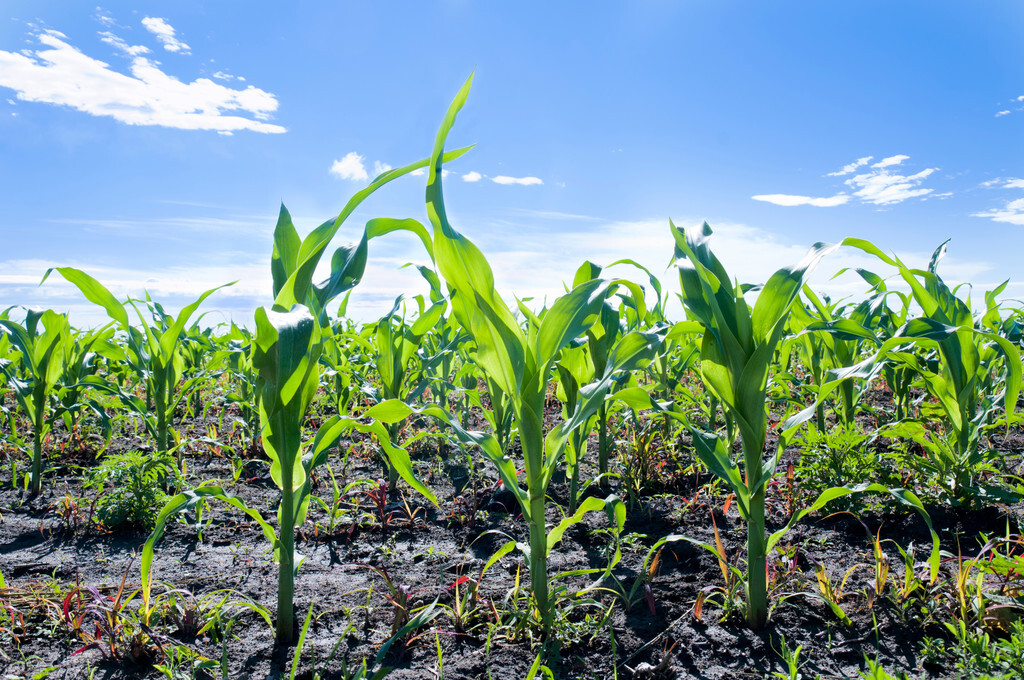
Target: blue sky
(151, 144)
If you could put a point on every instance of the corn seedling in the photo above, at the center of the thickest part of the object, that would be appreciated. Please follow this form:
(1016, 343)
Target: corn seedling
(736, 352)
(520, 365)
(42, 345)
(285, 353)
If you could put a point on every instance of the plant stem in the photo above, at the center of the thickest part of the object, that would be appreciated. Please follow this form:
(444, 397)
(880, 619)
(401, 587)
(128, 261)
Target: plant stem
(757, 559)
(286, 571)
(37, 459)
(602, 445)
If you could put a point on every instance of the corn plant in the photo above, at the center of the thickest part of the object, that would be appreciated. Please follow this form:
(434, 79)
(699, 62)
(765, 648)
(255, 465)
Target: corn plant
(41, 343)
(235, 356)
(520, 365)
(737, 349)
(832, 340)
(285, 353)
(394, 345)
(82, 358)
(153, 351)
(976, 373)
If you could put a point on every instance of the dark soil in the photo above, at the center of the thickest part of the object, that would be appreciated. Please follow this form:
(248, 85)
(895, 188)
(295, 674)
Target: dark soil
(41, 554)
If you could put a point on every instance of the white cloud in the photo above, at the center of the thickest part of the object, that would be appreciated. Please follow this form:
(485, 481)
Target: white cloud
(121, 46)
(165, 33)
(791, 200)
(174, 287)
(380, 168)
(61, 74)
(350, 167)
(850, 167)
(891, 160)
(419, 172)
(1004, 112)
(525, 181)
(104, 18)
(1012, 213)
(528, 257)
(882, 186)
(473, 176)
(879, 185)
(1004, 183)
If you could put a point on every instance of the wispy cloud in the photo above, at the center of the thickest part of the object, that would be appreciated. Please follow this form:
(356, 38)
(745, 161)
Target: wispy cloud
(166, 34)
(879, 184)
(850, 167)
(379, 168)
(891, 160)
(61, 74)
(121, 46)
(173, 287)
(555, 215)
(224, 75)
(791, 200)
(350, 167)
(1013, 211)
(525, 181)
(474, 176)
(882, 186)
(103, 17)
(1004, 183)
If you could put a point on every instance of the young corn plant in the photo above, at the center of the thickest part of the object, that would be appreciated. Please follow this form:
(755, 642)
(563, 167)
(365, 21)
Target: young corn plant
(393, 345)
(520, 364)
(977, 375)
(153, 351)
(737, 349)
(285, 354)
(42, 343)
(831, 340)
(83, 354)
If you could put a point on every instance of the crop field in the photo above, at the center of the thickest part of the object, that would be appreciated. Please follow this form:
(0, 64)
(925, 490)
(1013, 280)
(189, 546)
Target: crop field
(773, 484)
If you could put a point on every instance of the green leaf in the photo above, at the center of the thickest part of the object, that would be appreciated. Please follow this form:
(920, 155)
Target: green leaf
(588, 505)
(94, 291)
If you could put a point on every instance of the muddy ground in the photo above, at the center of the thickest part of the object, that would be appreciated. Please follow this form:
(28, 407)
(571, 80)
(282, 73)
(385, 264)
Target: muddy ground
(43, 556)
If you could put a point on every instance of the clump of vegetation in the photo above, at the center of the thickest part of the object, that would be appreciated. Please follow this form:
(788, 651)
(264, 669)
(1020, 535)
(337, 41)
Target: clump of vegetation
(132, 488)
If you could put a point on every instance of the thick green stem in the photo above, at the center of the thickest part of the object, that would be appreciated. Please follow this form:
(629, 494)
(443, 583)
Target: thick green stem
(603, 447)
(847, 394)
(539, 559)
(757, 562)
(286, 573)
(392, 471)
(161, 431)
(37, 460)
(531, 434)
(579, 444)
(757, 558)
